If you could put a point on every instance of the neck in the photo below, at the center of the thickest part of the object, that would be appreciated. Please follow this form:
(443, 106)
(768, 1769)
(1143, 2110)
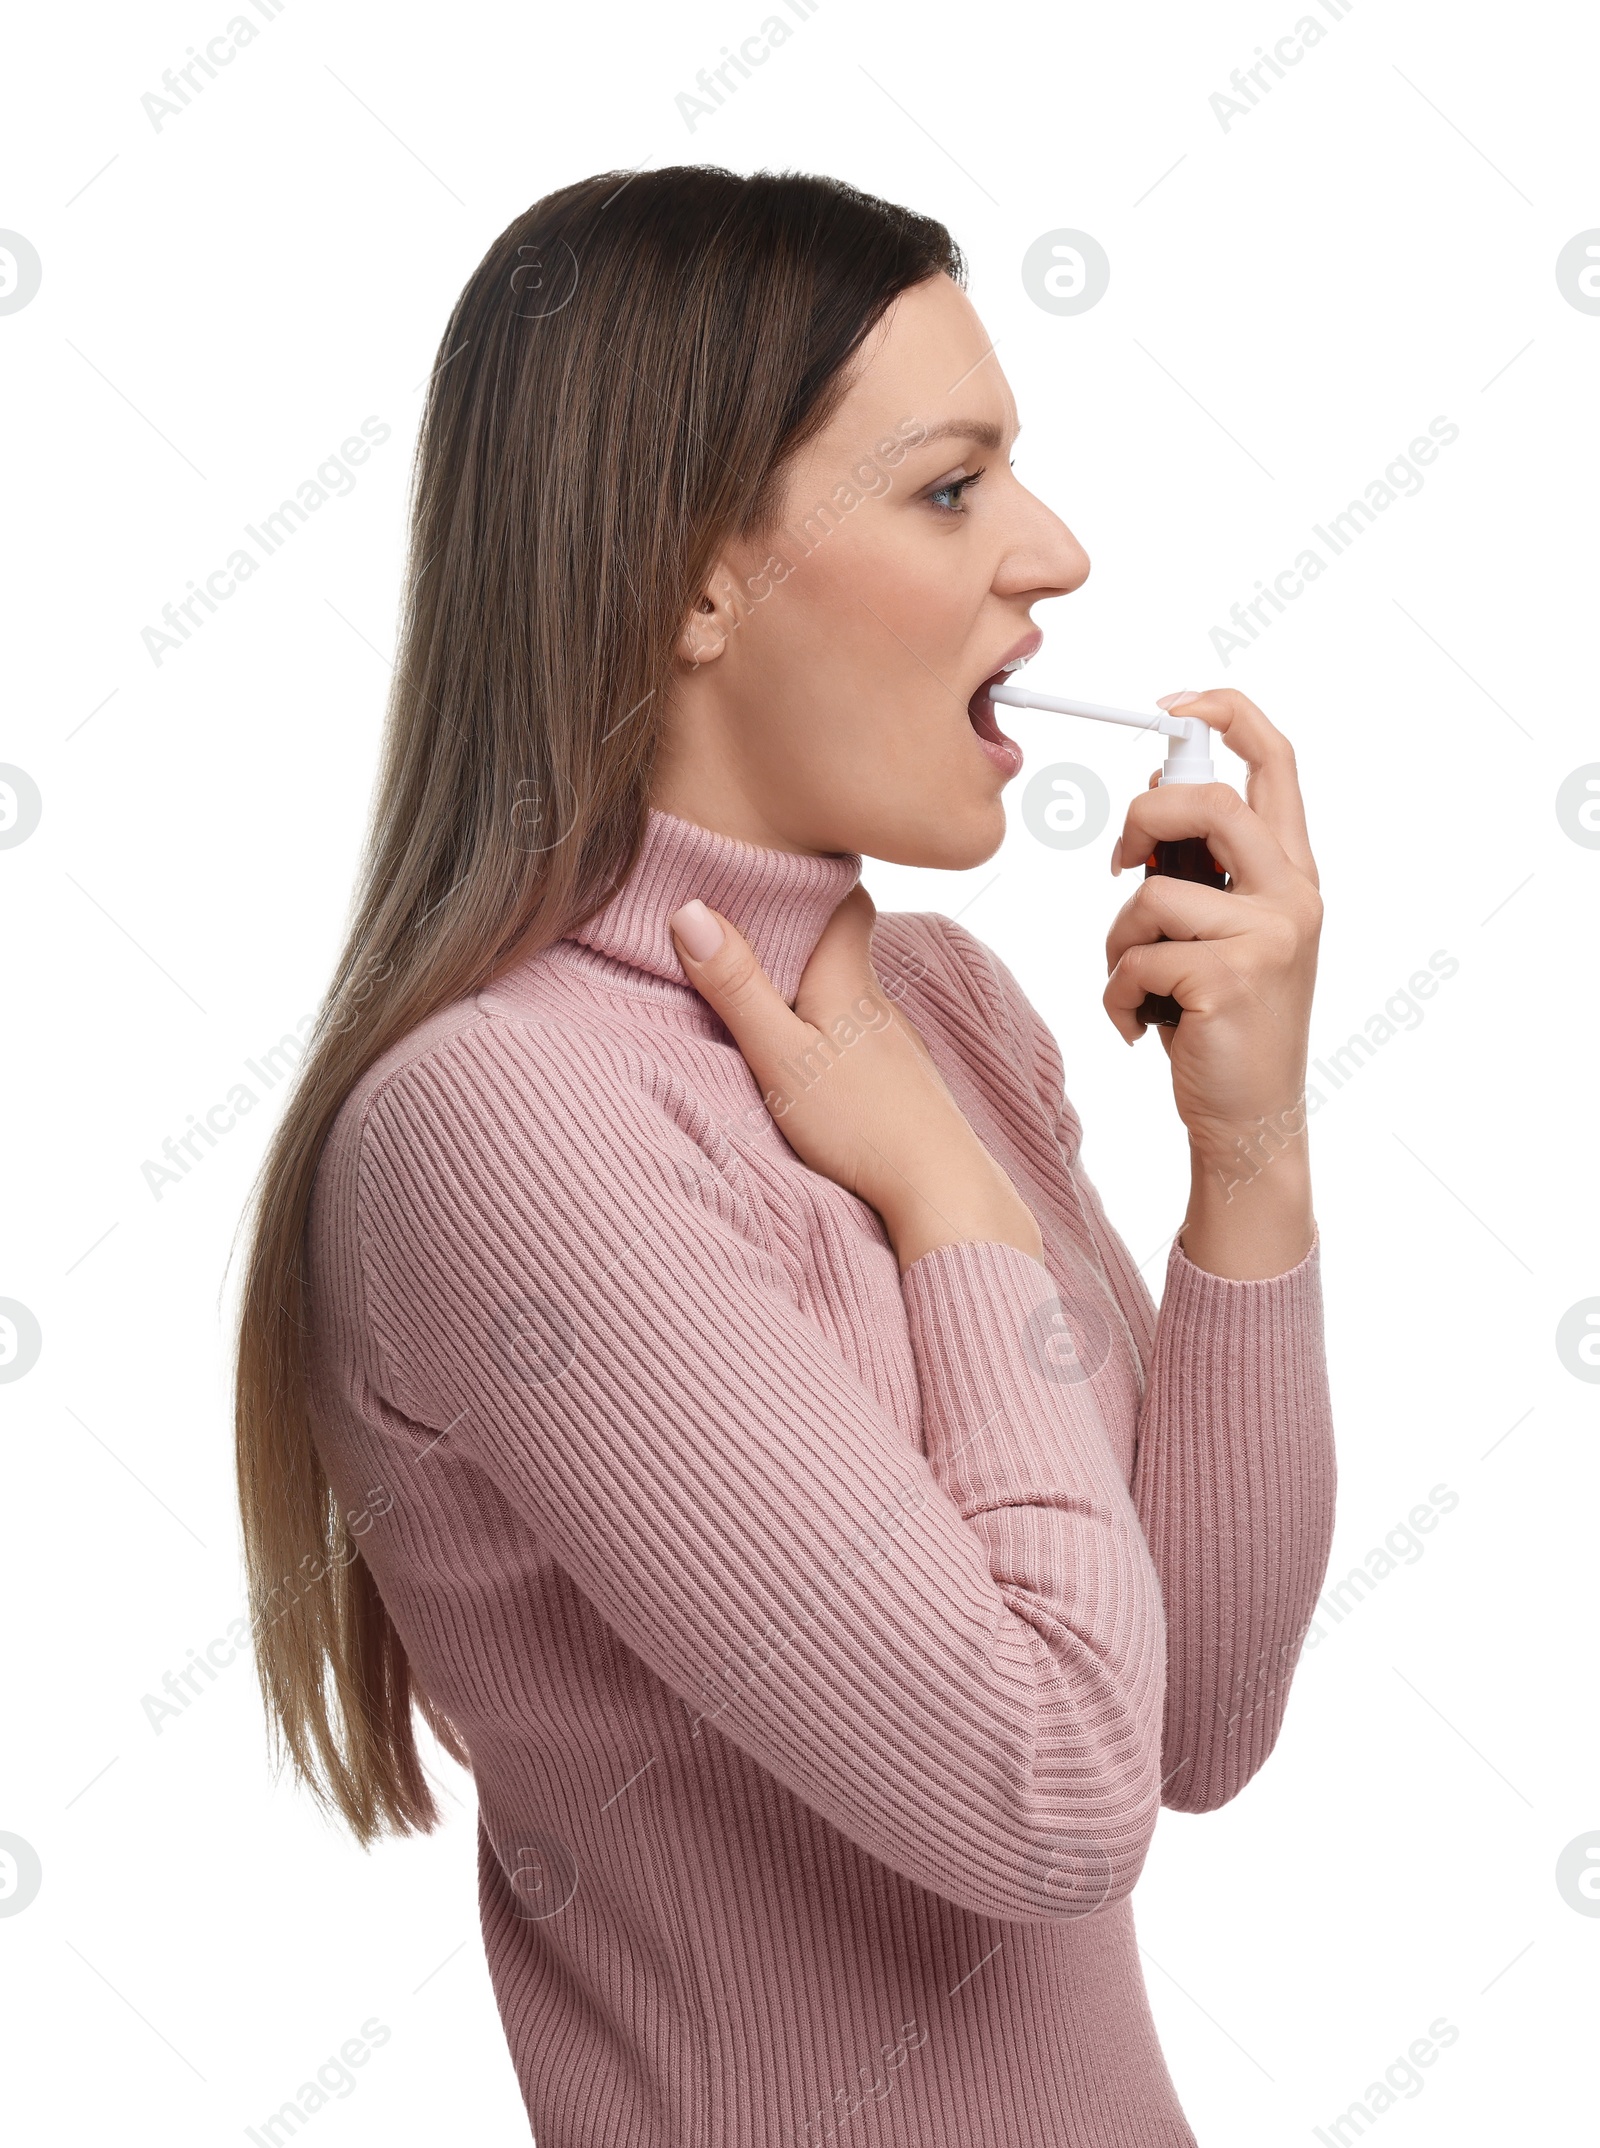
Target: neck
(713, 798)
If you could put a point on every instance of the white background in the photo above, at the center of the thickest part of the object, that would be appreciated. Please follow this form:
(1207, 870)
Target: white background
(1292, 300)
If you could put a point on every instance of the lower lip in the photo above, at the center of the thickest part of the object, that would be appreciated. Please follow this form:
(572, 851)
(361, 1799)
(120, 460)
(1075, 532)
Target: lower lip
(1005, 753)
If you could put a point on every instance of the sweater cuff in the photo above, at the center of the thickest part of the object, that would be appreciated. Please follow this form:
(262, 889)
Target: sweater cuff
(1255, 1331)
(1179, 1261)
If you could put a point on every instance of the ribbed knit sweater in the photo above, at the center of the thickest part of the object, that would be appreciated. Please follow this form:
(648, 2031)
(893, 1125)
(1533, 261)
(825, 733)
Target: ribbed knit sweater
(825, 1639)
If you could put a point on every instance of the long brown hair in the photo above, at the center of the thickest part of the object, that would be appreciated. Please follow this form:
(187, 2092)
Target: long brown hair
(619, 387)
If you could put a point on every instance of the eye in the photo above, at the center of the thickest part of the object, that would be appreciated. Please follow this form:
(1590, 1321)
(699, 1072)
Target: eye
(952, 490)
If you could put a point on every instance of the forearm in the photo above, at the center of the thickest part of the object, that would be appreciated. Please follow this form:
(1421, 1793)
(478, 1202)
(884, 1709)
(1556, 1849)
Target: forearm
(1234, 1482)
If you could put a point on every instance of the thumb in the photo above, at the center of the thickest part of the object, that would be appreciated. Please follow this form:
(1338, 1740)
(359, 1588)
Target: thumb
(721, 964)
(840, 970)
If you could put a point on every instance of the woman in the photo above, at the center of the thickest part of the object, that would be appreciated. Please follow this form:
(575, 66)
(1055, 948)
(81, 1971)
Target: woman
(683, 1354)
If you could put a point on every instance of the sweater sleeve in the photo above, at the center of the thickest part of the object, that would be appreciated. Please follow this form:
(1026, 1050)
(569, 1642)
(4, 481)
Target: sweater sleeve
(956, 1656)
(1234, 1480)
(1234, 1475)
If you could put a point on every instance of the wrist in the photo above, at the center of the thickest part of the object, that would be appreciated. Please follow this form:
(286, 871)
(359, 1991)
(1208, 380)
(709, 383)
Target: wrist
(988, 1212)
(1238, 1150)
(1250, 1213)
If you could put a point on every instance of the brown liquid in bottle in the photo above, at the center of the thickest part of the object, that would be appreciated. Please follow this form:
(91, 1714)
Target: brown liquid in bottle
(1187, 859)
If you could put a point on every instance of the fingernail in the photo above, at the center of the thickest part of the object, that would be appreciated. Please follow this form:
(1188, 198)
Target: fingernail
(1176, 701)
(1116, 855)
(698, 930)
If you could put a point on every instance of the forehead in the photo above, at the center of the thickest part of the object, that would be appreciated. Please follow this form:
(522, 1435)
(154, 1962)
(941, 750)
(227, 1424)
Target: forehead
(929, 358)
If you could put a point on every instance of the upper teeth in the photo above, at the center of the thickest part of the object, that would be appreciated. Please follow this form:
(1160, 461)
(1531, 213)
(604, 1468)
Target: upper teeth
(1015, 664)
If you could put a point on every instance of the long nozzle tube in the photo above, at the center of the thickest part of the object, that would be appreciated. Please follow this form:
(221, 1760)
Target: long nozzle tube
(1188, 760)
(1024, 697)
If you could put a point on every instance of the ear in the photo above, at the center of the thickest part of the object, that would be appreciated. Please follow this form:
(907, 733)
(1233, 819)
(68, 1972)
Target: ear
(704, 634)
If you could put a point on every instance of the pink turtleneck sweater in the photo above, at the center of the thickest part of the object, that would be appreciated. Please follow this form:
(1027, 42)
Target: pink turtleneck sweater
(826, 1640)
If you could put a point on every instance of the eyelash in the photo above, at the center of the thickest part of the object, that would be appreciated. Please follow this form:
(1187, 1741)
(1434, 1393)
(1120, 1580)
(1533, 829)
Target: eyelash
(957, 485)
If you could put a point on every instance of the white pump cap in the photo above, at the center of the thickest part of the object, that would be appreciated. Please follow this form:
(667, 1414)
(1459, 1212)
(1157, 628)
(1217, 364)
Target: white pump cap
(1188, 758)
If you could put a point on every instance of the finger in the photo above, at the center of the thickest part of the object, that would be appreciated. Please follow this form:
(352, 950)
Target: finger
(842, 982)
(1238, 838)
(1272, 786)
(1205, 974)
(733, 984)
(840, 969)
(1164, 908)
(845, 984)
(1185, 970)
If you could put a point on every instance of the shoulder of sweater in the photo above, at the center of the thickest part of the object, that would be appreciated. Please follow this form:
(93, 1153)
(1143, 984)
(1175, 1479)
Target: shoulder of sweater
(965, 983)
(468, 1063)
(943, 963)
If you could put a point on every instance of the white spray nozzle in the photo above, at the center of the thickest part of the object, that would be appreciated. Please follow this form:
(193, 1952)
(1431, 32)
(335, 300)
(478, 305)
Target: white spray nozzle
(1188, 750)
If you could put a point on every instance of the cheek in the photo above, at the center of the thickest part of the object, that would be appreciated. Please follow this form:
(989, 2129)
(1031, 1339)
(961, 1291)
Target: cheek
(828, 614)
(890, 594)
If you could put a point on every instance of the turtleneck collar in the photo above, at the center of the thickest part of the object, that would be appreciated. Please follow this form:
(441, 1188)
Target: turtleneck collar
(779, 899)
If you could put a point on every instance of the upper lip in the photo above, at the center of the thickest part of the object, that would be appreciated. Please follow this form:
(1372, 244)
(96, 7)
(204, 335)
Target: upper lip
(1028, 645)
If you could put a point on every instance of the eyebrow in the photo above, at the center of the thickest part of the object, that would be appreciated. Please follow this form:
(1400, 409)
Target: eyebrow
(978, 430)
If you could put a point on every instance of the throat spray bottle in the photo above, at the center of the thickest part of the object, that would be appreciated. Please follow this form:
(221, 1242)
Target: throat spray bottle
(1188, 761)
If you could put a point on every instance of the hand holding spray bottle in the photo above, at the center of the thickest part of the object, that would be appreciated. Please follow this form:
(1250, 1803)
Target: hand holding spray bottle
(1188, 761)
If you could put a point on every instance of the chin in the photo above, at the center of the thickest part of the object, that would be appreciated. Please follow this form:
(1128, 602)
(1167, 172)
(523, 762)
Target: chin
(943, 839)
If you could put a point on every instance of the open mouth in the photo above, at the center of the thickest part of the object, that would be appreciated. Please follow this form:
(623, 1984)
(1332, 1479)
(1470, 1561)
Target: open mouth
(1004, 752)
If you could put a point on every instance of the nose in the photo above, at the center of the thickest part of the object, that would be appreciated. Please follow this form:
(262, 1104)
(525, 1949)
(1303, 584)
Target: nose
(1042, 557)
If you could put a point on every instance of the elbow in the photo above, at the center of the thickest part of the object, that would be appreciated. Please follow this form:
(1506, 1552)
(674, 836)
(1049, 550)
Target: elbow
(1076, 1871)
(1082, 1848)
(1212, 1746)
(1203, 1794)
(1205, 1779)
(1061, 1824)
(1067, 1863)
